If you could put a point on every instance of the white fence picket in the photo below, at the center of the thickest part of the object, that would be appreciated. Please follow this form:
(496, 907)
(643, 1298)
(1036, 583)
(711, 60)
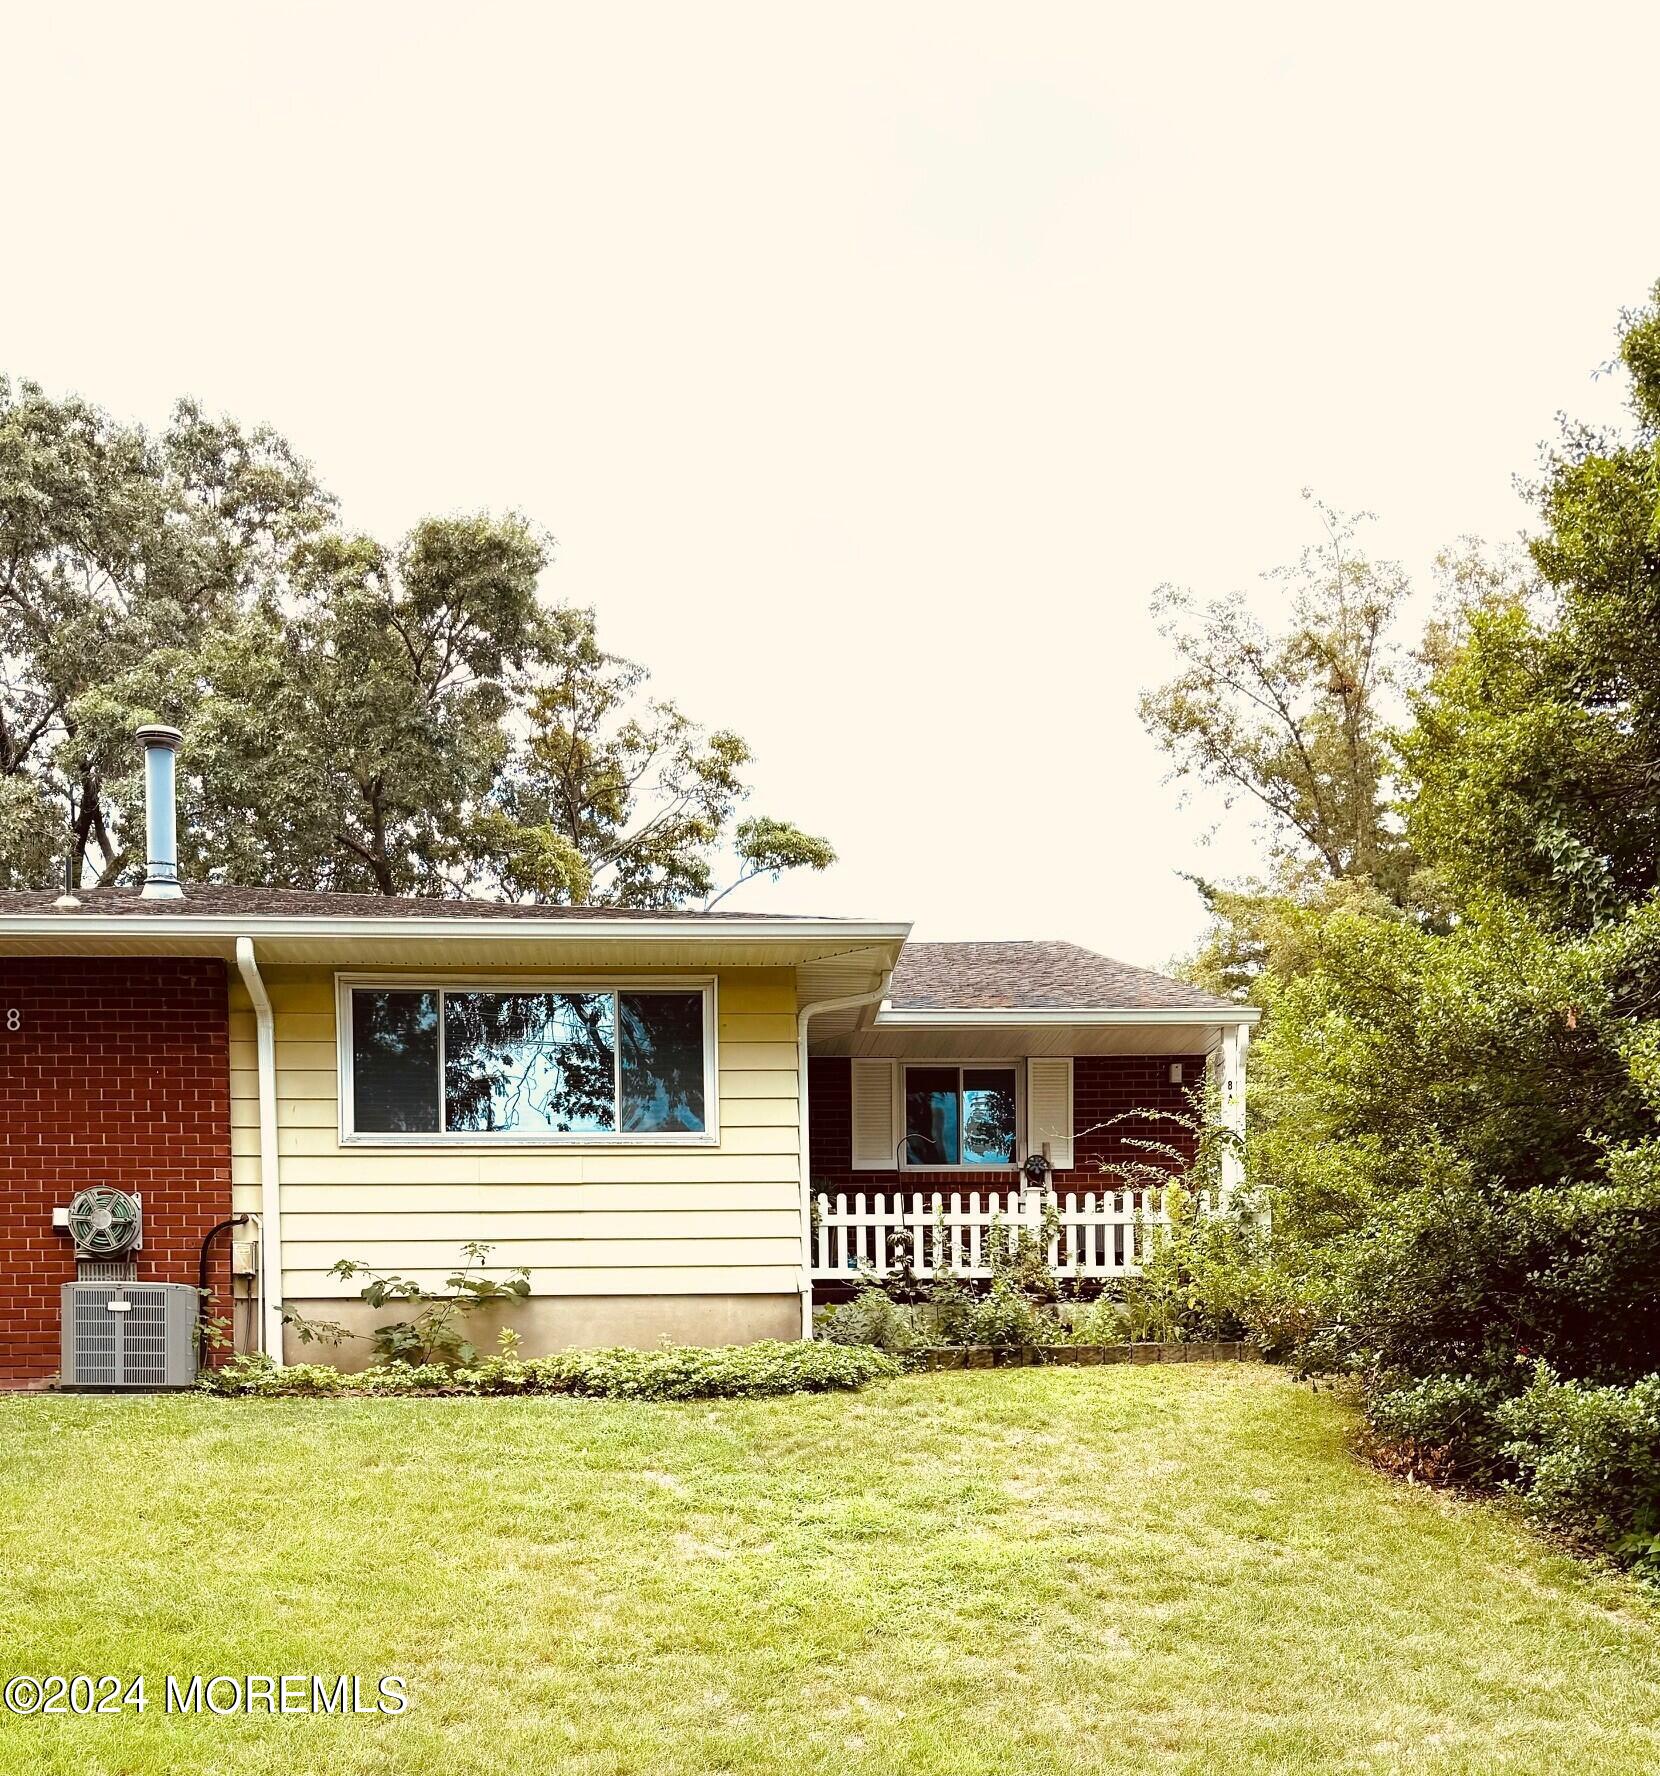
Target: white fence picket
(1094, 1235)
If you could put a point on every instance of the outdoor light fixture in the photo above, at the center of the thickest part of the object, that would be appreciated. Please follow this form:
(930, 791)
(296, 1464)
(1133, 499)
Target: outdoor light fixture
(1175, 1072)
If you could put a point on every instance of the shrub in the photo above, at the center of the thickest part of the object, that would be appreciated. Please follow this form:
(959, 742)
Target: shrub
(687, 1372)
(944, 1315)
(1018, 1257)
(434, 1332)
(256, 1373)
(872, 1318)
(1466, 1278)
(1588, 1462)
(694, 1373)
(1103, 1321)
(1003, 1315)
(1200, 1275)
(1443, 1429)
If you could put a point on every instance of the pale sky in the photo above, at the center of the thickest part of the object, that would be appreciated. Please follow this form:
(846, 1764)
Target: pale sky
(871, 363)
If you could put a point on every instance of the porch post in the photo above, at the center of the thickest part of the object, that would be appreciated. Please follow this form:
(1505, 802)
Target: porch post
(1236, 1041)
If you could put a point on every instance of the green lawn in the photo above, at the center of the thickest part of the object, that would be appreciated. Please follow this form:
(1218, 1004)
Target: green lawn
(1147, 1569)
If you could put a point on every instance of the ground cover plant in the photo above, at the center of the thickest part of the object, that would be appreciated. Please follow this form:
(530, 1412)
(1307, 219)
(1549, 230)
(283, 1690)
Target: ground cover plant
(673, 1372)
(1037, 1571)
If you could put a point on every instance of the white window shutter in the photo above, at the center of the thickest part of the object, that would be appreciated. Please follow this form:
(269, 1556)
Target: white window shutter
(874, 1139)
(1049, 1108)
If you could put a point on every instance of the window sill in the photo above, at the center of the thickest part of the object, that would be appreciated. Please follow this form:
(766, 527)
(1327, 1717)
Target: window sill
(1011, 1170)
(564, 1143)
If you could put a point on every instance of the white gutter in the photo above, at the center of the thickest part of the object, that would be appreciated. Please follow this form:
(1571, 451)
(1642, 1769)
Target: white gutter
(1012, 1017)
(807, 1013)
(270, 1222)
(719, 929)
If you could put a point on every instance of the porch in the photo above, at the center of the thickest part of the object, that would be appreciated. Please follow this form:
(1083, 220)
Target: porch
(1008, 1088)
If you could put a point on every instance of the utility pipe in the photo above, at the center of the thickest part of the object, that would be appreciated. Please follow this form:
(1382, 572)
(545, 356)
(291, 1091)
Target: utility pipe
(161, 814)
(270, 1220)
(202, 1284)
(803, 1019)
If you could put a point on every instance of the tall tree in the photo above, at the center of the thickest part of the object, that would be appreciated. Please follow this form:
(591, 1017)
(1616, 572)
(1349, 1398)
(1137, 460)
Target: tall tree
(118, 550)
(349, 730)
(394, 720)
(617, 797)
(1294, 718)
(1535, 756)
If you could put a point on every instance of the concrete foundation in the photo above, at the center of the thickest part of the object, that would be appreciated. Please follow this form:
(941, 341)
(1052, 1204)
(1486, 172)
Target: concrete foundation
(547, 1323)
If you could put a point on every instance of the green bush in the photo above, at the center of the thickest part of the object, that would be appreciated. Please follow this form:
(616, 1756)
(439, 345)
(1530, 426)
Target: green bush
(1465, 1278)
(256, 1373)
(871, 1318)
(1588, 1462)
(435, 1330)
(1003, 1315)
(1101, 1321)
(1443, 1429)
(944, 1315)
(1201, 1275)
(683, 1372)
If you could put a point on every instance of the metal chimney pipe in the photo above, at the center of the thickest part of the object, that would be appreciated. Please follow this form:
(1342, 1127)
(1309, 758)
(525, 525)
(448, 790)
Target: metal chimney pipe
(161, 814)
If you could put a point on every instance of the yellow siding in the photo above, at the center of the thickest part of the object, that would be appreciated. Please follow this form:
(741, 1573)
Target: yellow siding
(588, 1220)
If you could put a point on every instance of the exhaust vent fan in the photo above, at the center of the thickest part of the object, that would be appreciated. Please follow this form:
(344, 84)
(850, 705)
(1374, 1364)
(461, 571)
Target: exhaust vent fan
(104, 1223)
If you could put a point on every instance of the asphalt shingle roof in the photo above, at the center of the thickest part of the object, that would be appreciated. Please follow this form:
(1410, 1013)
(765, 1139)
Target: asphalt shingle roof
(1025, 976)
(1034, 976)
(207, 901)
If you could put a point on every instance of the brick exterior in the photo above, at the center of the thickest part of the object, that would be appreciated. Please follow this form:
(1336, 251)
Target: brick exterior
(1103, 1086)
(118, 1073)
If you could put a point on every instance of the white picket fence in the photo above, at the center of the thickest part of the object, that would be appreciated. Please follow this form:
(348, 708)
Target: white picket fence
(1092, 1233)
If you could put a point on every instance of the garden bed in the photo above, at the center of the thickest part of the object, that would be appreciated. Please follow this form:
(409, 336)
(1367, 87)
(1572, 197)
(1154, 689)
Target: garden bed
(1036, 1356)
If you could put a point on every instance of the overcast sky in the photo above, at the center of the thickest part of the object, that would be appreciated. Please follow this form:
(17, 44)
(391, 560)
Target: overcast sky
(871, 364)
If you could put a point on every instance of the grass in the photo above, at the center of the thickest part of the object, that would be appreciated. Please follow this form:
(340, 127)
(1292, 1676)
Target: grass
(1042, 1571)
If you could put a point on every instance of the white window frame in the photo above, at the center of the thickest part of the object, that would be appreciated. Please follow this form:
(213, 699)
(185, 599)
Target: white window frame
(707, 984)
(974, 1063)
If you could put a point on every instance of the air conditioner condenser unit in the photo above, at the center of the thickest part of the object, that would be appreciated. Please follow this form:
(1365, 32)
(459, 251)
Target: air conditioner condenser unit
(129, 1335)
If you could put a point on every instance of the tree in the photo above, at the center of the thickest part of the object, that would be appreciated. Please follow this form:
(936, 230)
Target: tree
(415, 719)
(1455, 1098)
(1295, 720)
(348, 731)
(618, 798)
(118, 550)
(1535, 754)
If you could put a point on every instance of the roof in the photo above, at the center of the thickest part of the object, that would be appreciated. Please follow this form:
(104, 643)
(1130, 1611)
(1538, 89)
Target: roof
(929, 977)
(1034, 976)
(203, 900)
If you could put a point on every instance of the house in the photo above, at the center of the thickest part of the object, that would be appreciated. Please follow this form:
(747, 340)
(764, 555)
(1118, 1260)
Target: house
(613, 1098)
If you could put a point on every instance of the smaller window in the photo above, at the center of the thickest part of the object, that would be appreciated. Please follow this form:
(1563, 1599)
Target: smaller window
(959, 1116)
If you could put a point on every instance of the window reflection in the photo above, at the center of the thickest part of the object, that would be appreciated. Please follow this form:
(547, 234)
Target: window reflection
(529, 1063)
(932, 1116)
(988, 1116)
(395, 1062)
(959, 1116)
(662, 1062)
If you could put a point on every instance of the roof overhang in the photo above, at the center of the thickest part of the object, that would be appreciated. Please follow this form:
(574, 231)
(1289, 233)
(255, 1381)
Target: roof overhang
(1012, 1017)
(897, 1033)
(390, 941)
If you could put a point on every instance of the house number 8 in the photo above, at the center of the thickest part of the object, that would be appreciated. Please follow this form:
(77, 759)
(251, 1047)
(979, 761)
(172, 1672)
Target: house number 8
(14, 1020)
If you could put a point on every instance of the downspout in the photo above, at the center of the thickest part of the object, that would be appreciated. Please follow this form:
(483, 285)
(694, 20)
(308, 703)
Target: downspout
(270, 1220)
(805, 1017)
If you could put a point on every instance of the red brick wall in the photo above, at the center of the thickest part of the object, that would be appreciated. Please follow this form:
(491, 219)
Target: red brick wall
(1103, 1086)
(117, 1073)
